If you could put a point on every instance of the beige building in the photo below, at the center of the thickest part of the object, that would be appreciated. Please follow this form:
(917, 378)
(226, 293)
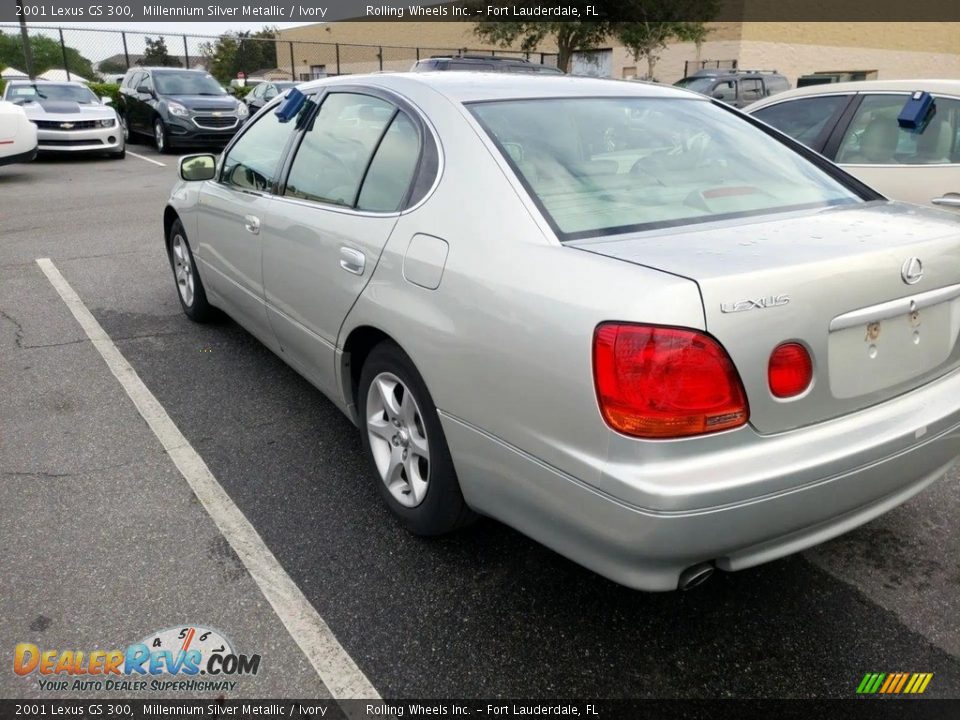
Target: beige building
(869, 50)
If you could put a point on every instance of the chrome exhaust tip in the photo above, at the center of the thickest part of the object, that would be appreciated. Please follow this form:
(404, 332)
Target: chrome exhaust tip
(695, 575)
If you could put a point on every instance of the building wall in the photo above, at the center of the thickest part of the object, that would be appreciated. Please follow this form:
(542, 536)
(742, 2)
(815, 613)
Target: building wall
(361, 44)
(891, 50)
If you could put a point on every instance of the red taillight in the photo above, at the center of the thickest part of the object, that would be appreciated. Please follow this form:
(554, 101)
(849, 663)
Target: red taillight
(658, 382)
(790, 370)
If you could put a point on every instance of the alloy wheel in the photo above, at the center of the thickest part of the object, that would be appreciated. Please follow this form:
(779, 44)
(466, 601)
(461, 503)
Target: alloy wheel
(159, 136)
(398, 439)
(183, 269)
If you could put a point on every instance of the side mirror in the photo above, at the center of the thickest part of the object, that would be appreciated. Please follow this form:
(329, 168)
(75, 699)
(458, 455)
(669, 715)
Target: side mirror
(718, 94)
(198, 167)
(106, 101)
(144, 90)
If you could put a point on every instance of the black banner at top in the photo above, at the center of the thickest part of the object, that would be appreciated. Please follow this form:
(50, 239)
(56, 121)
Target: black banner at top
(98, 12)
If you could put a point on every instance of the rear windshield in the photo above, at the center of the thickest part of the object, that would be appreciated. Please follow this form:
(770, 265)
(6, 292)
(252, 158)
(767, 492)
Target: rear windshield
(186, 83)
(600, 166)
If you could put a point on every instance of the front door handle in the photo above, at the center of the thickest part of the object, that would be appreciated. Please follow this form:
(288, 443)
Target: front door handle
(352, 260)
(948, 200)
(252, 224)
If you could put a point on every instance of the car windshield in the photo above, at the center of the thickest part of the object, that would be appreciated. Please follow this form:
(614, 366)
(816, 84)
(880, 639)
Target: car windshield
(37, 92)
(600, 166)
(186, 83)
(697, 84)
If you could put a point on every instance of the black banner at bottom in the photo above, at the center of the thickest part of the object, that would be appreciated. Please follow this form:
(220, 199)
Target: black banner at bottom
(856, 709)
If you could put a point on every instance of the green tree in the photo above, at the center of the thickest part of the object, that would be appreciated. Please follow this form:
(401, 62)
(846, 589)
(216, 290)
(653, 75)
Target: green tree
(47, 54)
(156, 54)
(568, 36)
(649, 39)
(236, 51)
(112, 67)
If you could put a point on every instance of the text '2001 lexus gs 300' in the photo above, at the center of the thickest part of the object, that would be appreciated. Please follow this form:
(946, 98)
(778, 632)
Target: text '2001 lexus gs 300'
(641, 328)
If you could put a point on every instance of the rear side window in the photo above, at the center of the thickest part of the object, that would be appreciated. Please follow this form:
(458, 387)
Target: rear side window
(599, 166)
(391, 170)
(805, 119)
(875, 138)
(335, 152)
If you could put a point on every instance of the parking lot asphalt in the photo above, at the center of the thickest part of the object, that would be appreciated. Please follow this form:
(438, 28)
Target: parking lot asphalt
(483, 613)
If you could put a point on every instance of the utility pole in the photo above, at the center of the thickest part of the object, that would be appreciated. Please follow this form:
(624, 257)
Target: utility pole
(25, 38)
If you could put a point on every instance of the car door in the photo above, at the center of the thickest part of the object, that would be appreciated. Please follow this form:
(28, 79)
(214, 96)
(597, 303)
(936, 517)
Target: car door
(254, 99)
(344, 189)
(810, 120)
(919, 167)
(232, 210)
(143, 104)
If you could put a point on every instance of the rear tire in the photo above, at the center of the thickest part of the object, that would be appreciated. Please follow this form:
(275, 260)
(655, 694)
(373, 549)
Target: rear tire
(405, 445)
(190, 292)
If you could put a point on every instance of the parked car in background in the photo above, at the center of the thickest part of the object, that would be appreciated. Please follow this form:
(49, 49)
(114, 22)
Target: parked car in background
(179, 108)
(736, 87)
(266, 91)
(668, 339)
(18, 136)
(69, 117)
(483, 63)
(855, 125)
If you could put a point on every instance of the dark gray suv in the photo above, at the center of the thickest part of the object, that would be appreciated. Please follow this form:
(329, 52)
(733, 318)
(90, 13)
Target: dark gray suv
(178, 108)
(482, 63)
(736, 87)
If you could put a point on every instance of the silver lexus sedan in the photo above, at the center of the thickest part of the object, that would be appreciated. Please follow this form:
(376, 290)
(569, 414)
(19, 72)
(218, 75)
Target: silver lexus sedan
(636, 325)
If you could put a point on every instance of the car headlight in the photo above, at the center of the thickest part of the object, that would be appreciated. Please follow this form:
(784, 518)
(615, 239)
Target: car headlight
(242, 110)
(109, 122)
(175, 108)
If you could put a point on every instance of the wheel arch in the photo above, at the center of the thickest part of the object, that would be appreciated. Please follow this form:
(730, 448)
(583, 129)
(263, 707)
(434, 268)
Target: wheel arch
(356, 348)
(170, 216)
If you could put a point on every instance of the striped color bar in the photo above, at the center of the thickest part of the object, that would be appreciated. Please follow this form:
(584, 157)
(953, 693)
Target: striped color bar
(898, 683)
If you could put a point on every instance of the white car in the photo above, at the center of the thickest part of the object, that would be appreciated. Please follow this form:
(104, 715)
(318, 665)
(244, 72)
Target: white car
(855, 125)
(18, 136)
(69, 117)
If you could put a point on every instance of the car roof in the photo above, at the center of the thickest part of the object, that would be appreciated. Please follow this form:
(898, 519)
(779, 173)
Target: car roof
(166, 68)
(479, 86)
(942, 87)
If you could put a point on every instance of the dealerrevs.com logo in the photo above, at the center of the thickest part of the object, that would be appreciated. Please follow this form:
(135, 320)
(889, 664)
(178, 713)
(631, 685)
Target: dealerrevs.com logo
(185, 659)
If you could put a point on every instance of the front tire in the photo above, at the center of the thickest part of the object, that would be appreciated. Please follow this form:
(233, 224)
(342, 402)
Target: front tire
(161, 137)
(193, 298)
(405, 445)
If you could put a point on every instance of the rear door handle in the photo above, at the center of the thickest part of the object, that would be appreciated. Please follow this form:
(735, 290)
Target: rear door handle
(948, 200)
(252, 224)
(352, 260)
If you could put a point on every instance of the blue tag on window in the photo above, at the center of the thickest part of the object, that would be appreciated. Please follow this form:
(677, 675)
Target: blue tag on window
(917, 111)
(291, 105)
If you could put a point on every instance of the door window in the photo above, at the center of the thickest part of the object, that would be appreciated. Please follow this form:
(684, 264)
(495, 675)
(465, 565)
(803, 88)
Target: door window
(875, 138)
(253, 162)
(751, 90)
(336, 151)
(804, 119)
(726, 91)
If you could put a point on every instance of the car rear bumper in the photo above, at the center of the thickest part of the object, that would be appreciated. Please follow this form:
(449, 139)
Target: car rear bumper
(778, 505)
(108, 140)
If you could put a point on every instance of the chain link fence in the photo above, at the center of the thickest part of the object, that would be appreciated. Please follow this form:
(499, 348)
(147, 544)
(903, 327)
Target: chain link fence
(691, 66)
(96, 55)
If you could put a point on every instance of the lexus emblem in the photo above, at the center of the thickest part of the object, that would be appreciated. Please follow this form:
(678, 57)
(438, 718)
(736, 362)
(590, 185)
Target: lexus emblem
(911, 271)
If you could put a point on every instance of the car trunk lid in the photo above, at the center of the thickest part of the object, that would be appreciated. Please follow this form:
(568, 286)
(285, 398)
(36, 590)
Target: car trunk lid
(844, 282)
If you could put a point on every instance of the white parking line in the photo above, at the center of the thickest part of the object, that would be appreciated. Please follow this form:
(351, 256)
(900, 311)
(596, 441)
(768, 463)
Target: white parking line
(144, 157)
(335, 667)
